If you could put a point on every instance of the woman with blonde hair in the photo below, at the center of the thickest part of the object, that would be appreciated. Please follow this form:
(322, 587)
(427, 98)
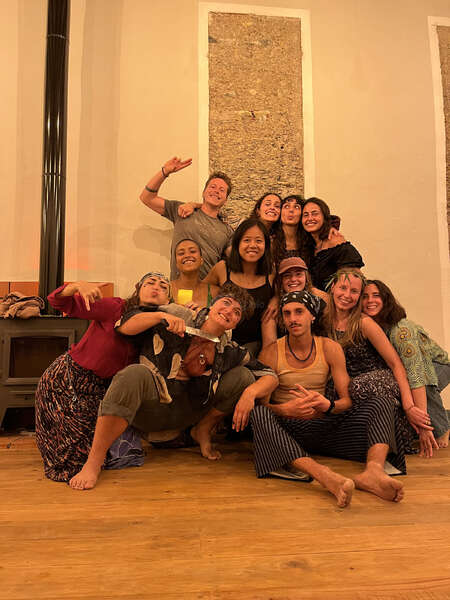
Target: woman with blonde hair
(372, 362)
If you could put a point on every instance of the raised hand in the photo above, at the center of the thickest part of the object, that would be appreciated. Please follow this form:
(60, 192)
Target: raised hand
(176, 164)
(89, 292)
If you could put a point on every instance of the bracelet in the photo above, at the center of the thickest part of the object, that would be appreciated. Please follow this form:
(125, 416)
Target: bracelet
(332, 405)
(150, 190)
(164, 173)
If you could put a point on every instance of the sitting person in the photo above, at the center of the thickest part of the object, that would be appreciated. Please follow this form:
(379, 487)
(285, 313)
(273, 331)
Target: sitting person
(203, 225)
(324, 255)
(427, 364)
(301, 420)
(292, 276)
(250, 267)
(372, 362)
(183, 380)
(187, 289)
(70, 390)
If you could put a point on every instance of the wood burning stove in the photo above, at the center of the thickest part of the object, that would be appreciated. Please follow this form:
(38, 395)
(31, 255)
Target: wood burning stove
(28, 346)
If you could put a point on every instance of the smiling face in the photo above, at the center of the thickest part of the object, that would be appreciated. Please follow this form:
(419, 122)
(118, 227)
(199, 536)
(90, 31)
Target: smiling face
(215, 193)
(154, 291)
(291, 212)
(252, 245)
(296, 318)
(346, 292)
(225, 313)
(269, 209)
(312, 217)
(188, 257)
(293, 280)
(372, 303)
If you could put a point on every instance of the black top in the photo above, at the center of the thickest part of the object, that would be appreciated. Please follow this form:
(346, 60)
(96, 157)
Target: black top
(249, 330)
(326, 262)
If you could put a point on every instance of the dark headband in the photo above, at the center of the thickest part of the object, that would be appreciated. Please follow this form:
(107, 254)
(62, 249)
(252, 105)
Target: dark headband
(311, 301)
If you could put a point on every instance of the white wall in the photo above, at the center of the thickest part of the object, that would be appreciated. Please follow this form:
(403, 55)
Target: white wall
(133, 103)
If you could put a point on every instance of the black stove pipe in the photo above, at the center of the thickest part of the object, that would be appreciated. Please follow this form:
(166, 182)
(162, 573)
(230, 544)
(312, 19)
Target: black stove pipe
(51, 267)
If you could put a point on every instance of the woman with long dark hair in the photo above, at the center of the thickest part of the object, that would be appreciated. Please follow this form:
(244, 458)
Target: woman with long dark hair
(250, 267)
(427, 365)
(324, 255)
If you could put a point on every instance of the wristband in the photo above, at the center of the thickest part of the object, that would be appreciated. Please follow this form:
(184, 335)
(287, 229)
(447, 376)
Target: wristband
(150, 190)
(332, 405)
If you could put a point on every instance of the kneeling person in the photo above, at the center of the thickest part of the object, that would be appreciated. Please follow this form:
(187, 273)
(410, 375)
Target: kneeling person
(302, 421)
(182, 379)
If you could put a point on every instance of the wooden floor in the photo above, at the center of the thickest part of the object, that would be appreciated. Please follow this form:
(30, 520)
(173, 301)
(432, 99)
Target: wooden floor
(182, 528)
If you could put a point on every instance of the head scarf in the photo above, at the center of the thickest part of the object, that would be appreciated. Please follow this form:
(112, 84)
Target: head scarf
(152, 274)
(311, 302)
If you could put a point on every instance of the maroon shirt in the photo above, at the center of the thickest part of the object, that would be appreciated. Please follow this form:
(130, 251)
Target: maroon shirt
(101, 349)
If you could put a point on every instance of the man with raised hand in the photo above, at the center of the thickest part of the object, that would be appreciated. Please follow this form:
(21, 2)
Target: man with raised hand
(195, 221)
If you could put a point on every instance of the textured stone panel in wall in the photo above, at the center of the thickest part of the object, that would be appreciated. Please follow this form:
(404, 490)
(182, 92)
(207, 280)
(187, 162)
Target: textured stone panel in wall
(444, 55)
(255, 105)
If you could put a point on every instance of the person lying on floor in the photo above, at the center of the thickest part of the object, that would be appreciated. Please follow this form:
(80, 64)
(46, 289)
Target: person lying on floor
(301, 420)
(182, 380)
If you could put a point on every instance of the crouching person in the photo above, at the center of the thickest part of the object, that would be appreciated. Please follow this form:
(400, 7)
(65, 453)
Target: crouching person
(182, 379)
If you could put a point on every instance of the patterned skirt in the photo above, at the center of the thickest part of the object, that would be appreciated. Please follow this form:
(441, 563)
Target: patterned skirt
(67, 401)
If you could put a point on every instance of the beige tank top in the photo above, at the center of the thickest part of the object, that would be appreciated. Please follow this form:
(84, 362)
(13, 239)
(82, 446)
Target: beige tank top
(313, 378)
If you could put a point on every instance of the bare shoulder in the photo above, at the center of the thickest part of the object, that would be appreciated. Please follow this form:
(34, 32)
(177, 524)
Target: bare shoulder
(269, 355)
(332, 349)
(320, 294)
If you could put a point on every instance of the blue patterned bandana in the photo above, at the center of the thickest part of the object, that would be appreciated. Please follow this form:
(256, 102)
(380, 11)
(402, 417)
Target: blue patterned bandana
(311, 302)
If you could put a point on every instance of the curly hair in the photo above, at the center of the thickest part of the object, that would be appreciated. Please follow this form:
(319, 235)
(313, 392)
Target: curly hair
(242, 297)
(392, 311)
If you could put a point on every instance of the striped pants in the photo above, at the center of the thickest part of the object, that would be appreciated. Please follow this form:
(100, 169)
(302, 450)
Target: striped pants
(279, 441)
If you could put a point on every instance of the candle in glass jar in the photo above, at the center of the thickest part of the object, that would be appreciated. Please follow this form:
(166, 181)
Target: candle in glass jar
(184, 296)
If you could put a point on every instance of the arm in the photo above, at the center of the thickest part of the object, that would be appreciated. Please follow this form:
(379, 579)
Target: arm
(268, 332)
(217, 275)
(188, 208)
(308, 404)
(149, 195)
(380, 342)
(262, 388)
(145, 320)
(84, 300)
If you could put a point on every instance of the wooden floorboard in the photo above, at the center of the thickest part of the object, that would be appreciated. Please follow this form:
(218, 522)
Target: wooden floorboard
(181, 527)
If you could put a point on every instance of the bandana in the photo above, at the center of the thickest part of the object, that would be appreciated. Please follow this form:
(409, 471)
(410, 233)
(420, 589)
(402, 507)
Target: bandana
(311, 302)
(152, 274)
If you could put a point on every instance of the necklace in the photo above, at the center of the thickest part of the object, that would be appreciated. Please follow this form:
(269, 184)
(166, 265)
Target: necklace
(295, 356)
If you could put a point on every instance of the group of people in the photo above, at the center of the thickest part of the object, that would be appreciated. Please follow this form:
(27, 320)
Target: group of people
(272, 323)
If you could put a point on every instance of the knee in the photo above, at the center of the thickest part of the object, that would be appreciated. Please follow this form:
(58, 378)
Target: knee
(126, 391)
(259, 414)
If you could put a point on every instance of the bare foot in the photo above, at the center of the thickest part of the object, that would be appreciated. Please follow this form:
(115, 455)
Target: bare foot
(202, 436)
(374, 480)
(86, 478)
(339, 486)
(442, 441)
